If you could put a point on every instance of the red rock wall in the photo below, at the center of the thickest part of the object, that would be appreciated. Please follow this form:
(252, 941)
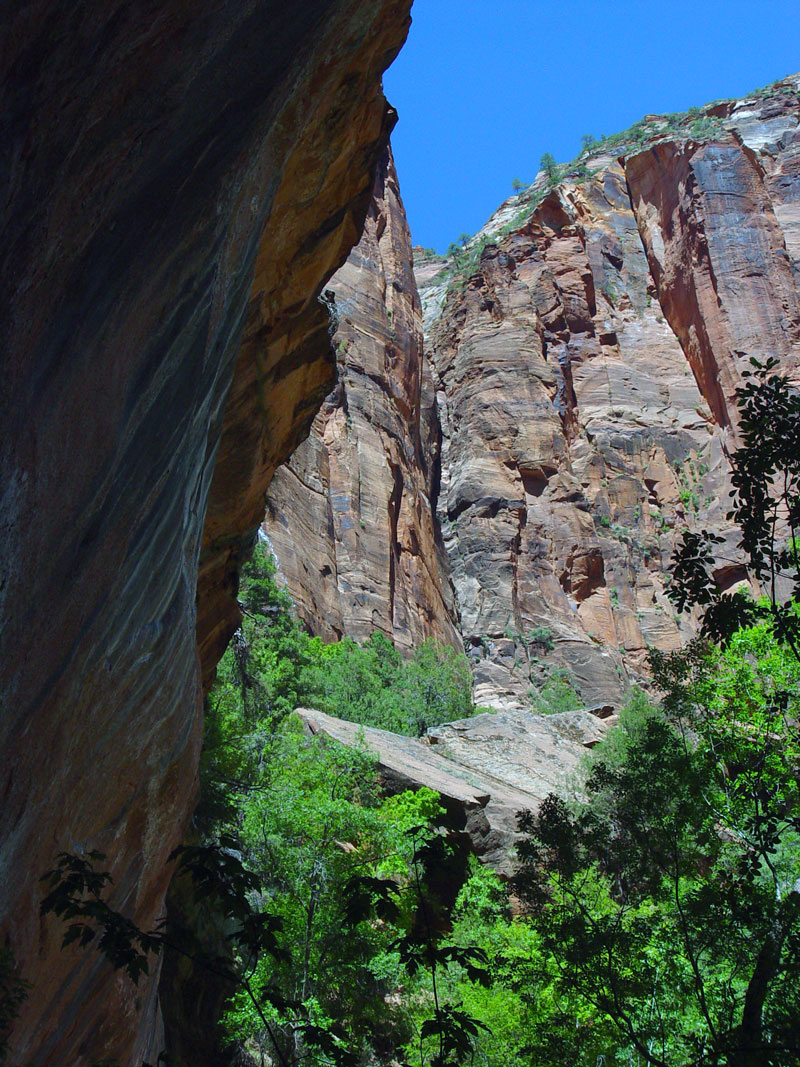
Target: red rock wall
(586, 372)
(154, 154)
(583, 378)
(566, 403)
(721, 260)
(350, 515)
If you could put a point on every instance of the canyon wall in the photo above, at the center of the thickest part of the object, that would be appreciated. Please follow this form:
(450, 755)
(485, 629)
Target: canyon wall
(179, 180)
(584, 351)
(351, 516)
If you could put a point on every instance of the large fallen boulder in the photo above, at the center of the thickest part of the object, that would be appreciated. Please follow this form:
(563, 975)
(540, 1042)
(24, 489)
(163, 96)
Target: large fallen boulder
(485, 769)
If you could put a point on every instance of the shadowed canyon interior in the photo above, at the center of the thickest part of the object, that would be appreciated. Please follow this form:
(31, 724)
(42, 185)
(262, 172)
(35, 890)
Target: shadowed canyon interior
(502, 464)
(180, 180)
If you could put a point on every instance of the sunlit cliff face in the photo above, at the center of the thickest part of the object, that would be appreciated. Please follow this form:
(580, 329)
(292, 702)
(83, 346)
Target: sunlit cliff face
(573, 400)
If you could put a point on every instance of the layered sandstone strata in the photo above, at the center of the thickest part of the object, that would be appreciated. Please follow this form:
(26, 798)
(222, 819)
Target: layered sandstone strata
(351, 516)
(585, 380)
(176, 177)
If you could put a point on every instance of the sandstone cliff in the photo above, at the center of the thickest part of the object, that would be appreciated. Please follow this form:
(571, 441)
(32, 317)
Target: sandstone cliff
(584, 352)
(178, 183)
(585, 373)
(352, 515)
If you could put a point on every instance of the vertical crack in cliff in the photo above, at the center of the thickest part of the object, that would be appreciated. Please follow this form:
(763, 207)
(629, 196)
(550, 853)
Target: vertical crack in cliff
(725, 300)
(393, 507)
(692, 336)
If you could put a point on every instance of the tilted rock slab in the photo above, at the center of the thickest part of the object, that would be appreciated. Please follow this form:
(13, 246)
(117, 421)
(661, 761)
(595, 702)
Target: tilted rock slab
(486, 769)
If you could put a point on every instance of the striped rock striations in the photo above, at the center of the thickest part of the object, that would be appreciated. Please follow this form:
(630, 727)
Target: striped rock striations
(351, 517)
(585, 376)
(584, 366)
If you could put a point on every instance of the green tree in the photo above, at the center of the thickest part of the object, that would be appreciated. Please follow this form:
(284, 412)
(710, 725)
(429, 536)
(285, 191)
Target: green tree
(669, 902)
(446, 1032)
(517, 185)
(551, 169)
(274, 666)
(314, 823)
(436, 687)
(766, 508)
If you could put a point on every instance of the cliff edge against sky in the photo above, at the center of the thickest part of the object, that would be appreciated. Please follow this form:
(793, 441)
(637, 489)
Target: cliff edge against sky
(179, 182)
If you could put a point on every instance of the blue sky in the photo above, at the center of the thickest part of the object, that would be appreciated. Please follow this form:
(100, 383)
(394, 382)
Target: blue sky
(485, 87)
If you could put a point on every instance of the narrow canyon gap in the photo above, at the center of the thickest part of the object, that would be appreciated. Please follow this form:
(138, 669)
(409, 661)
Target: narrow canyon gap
(574, 400)
(180, 181)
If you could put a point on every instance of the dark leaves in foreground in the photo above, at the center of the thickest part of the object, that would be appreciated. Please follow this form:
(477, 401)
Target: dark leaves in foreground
(75, 896)
(766, 508)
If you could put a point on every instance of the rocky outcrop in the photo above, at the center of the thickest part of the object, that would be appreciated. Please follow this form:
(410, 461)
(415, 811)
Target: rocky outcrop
(176, 179)
(485, 769)
(726, 269)
(351, 516)
(570, 424)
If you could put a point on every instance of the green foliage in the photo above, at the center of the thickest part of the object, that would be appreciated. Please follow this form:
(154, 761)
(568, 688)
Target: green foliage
(766, 501)
(556, 695)
(76, 896)
(517, 185)
(551, 169)
(13, 993)
(425, 255)
(447, 1036)
(326, 851)
(463, 262)
(543, 637)
(273, 666)
(310, 822)
(668, 903)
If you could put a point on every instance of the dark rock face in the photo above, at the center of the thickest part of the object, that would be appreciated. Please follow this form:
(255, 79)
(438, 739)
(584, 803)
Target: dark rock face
(153, 155)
